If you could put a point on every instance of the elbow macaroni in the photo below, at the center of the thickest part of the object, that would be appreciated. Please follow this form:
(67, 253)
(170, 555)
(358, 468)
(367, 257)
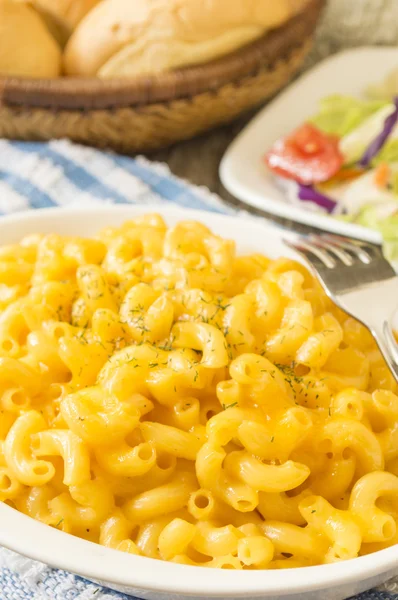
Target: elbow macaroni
(163, 397)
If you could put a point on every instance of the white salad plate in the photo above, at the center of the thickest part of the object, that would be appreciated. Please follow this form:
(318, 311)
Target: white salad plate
(154, 579)
(243, 171)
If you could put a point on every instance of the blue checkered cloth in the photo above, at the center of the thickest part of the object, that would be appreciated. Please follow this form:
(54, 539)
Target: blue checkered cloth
(36, 175)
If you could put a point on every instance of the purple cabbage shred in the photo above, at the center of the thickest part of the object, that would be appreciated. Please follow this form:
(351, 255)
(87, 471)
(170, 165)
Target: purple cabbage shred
(378, 143)
(307, 193)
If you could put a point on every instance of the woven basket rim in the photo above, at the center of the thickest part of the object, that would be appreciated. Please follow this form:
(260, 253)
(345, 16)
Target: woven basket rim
(145, 128)
(94, 93)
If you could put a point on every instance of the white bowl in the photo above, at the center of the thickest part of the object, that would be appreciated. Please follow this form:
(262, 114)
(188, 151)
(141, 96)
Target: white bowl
(145, 577)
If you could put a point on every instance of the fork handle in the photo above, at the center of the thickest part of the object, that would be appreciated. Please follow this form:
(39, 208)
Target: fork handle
(387, 345)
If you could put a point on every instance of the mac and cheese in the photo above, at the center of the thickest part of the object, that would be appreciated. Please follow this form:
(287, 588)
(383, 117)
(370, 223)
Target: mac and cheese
(162, 396)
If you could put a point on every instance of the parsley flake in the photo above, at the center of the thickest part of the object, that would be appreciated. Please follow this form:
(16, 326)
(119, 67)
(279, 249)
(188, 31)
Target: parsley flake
(226, 406)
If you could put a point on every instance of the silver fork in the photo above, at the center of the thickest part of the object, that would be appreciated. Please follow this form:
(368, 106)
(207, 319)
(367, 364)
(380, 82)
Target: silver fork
(357, 277)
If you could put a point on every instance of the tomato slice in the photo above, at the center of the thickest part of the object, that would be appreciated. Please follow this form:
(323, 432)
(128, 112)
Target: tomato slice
(307, 155)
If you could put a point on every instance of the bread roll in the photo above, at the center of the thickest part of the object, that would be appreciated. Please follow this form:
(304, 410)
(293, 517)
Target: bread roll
(69, 12)
(27, 49)
(122, 38)
(62, 16)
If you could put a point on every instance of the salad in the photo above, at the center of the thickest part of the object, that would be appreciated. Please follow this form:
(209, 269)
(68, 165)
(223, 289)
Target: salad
(344, 160)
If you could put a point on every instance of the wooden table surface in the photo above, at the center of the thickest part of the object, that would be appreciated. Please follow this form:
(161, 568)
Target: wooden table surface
(198, 160)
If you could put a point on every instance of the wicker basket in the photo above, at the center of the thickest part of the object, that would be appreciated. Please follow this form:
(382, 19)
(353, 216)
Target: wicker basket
(153, 112)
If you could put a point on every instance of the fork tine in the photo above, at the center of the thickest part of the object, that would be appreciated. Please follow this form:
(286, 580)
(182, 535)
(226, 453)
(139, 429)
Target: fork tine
(335, 249)
(357, 287)
(358, 248)
(319, 257)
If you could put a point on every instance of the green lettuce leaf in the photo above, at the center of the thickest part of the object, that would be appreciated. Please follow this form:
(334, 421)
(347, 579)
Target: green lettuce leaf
(340, 115)
(389, 230)
(388, 154)
(388, 227)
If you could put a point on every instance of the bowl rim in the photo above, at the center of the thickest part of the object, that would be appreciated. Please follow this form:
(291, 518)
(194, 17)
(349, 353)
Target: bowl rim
(21, 533)
(93, 93)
